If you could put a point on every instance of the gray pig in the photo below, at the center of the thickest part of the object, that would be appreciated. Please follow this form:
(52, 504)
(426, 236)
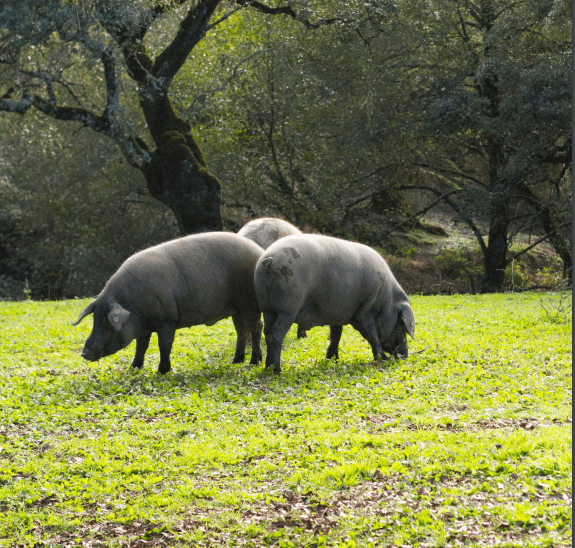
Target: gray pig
(193, 280)
(265, 232)
(319, 280)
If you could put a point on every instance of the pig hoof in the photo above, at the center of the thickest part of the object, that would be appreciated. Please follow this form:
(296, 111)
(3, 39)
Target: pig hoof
(277, 369)
(163, 369)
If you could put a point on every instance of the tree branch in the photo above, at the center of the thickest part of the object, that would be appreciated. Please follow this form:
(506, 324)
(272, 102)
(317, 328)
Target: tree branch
(451, 172)
(548, 235)
(112, 94)
(203, 94)
(456, 208)
(289, 11)
(420, 212)
(192, 29)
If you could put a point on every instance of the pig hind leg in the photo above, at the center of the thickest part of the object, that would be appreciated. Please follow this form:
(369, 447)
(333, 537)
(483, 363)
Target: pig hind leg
(276, 328)
(334, 337)
(245, 328)
(242, 333)
(142, 343)
(269, 321)
(165, 341)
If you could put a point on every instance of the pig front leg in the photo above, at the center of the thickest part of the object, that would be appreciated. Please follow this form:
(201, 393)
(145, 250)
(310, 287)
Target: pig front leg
(165, 341)
(301, 332)
(142, 343)
(334, 337)
(368, 331)
(244, 328)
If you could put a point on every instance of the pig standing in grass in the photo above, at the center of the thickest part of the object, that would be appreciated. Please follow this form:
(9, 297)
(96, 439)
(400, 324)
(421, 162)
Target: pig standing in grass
(319, 280)
(194, 280)
(265, 232)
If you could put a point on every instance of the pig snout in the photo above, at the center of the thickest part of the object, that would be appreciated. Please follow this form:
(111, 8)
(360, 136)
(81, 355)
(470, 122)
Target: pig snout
(93, 350)
(91, 353)
(87, 355)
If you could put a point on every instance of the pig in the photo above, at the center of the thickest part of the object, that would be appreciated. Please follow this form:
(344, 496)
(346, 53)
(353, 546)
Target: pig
(319, 280)
(198, 279)
(265, 232)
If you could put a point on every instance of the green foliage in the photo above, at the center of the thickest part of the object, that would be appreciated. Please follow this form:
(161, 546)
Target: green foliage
(460, 263)
(467, 442)
(76, 211)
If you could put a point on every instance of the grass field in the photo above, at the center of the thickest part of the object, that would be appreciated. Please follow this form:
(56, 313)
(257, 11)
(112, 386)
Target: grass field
(468, 443)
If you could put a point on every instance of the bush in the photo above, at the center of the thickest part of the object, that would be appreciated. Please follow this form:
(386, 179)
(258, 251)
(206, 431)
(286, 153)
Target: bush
(460, 264)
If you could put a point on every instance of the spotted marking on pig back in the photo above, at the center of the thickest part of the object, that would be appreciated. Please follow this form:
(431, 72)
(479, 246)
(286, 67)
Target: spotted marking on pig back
(294, 253)
(286, 272)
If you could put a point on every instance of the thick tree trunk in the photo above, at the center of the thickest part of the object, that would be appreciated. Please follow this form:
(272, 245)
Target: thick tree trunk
(178, 175)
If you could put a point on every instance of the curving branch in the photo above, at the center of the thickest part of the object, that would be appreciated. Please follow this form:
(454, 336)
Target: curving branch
(192, 29)
(447, 199)
(290, 12)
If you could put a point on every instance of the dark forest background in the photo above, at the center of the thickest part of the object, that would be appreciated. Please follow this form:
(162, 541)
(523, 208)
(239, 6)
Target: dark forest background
(438, 132)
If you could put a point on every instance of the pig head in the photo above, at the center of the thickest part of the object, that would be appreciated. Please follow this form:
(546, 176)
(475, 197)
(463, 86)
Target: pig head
(393, 325)
(114, 328)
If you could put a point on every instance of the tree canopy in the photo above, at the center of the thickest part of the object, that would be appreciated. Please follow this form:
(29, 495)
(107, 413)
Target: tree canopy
(330, 114)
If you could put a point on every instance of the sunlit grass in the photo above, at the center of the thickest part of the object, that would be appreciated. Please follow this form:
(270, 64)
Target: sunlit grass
(467, 442)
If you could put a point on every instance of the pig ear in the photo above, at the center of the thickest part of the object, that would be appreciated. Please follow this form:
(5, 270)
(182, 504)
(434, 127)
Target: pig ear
(88, 310)
(408, 318)
(118, 316)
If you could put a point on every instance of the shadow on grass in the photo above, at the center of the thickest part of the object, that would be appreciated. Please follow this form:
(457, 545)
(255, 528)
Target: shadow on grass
(113, 378)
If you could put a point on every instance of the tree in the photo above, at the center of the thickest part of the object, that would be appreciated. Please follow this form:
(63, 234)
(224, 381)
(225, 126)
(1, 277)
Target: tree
(495, 119)
(43, 49)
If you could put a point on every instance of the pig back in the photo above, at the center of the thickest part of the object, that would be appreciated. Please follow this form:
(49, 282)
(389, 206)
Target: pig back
(267, 230)
(197, 279)
(298, 268)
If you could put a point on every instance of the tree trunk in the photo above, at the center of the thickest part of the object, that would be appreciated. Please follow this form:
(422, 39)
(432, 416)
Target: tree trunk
(561, 243)
(495, 256)
(178, 175)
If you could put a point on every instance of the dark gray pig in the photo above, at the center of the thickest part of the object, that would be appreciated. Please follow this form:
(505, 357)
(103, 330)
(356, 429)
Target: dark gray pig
(199, 279)
(319, 280)
(265, 232)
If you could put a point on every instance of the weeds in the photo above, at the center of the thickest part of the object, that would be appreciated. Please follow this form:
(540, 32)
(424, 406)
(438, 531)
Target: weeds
(557, 305)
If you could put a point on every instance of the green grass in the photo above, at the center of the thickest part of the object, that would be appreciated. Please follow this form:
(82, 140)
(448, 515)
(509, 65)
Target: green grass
(466, 443)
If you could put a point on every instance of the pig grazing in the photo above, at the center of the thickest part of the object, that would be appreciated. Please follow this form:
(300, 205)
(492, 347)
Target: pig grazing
(193, 280)
(265, 232)
(319, 280)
